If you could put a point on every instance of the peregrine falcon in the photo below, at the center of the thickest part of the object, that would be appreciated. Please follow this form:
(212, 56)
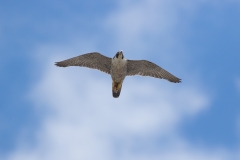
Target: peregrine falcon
(118, 67)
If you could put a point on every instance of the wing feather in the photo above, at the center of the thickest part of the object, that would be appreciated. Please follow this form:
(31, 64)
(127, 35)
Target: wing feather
(92, 60)
(146, 68)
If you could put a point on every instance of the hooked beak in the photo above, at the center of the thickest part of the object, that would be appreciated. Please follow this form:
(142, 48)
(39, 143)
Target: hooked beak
(121, 52)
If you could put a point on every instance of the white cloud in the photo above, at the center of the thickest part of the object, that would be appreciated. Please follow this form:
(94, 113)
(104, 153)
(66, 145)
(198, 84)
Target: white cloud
(83, 121)
(152, 27)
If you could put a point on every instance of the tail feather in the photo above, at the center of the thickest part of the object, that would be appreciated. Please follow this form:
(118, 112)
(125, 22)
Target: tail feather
(117, 94)
(116, 89)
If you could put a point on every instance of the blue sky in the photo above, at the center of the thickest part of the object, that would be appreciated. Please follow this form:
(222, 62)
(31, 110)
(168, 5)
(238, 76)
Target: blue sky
(68, 113)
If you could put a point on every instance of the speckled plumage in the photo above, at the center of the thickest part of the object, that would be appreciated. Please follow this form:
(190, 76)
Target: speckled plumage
(119, 67)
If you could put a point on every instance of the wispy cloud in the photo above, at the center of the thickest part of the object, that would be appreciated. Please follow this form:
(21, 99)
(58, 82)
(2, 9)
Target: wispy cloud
(135, 25)
(83, 121)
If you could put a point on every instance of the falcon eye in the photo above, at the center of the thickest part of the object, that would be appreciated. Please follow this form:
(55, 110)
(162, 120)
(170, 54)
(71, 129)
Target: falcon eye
(117, 55)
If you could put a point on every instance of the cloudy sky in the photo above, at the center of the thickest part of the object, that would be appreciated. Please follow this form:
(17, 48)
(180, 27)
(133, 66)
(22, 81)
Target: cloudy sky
(47, 112)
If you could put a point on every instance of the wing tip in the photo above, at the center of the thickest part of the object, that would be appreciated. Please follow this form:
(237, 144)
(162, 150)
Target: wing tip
(177, 80)
(59, 64)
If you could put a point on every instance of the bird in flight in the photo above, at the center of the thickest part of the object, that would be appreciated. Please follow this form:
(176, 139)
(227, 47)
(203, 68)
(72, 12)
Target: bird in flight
(118, 67)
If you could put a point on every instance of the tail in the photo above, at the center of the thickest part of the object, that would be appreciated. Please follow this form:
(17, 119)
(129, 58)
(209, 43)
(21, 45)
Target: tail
(116, 89)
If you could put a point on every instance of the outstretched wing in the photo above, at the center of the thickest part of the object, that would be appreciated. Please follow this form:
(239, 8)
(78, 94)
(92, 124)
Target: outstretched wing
(146, 68)
(93, 60)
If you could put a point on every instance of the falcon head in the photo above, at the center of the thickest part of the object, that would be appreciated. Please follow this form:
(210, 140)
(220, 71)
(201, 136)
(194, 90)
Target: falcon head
(119, 55)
